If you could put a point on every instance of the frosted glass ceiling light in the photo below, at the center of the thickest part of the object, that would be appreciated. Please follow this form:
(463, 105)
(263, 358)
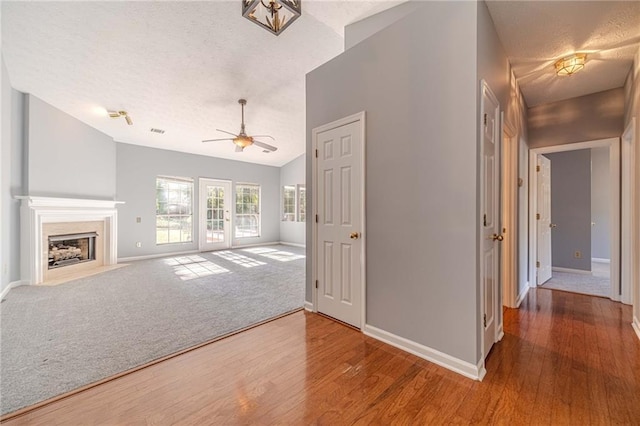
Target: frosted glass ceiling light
(570, 65)
(273, 15)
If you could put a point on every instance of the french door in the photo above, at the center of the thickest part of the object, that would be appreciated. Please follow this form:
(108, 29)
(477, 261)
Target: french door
(215, 214)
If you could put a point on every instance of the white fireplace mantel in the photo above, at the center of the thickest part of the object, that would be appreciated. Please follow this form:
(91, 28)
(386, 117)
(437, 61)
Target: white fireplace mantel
(35, 211)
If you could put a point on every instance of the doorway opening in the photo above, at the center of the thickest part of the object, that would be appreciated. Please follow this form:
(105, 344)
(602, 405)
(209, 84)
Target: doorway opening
(571, 261)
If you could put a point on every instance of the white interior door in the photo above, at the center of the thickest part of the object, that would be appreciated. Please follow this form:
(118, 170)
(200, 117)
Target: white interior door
(543, 219)
(339, 201)
(491, 235)
(215, 214)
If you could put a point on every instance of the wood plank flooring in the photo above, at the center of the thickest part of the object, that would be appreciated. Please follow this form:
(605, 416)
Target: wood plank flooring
(565, 359)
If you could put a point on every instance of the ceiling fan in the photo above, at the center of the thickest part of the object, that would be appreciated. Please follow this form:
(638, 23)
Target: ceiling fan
(242, 140)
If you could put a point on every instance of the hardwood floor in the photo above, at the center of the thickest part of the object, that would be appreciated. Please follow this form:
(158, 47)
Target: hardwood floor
(565, 359)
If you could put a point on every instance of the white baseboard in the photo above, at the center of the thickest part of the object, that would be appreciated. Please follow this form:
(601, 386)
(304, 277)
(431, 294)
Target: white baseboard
(459, 366)
(599, 260)
(572, 271)
(11, 285)
(238, 246)
(522, 295)
(308, 306)
(284, 243)
(636, 326)
(157, 255)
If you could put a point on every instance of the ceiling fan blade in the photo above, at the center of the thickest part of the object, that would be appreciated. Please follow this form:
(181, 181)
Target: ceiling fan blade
(214, 140)
(229, 133)
(263, 136)
(239, 148)
(264, 145)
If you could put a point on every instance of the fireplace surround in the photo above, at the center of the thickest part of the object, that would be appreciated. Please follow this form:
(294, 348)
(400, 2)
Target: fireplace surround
(46, 217)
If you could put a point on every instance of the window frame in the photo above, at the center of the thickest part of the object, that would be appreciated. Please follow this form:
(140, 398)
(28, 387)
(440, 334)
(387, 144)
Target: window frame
(180, 216)
(236, 219)
(294, 213)
(299, 189)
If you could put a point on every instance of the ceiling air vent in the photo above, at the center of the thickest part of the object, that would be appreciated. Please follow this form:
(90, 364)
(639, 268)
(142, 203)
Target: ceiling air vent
(154, 130)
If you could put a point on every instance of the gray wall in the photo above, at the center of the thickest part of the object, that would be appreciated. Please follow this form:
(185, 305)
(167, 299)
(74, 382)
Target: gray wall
(571, 208)
(600, 204)
(137, 169)
(356, 32)
(591, 117)
(421, 133)
(11, 172)
(292, 173)
(67, 158)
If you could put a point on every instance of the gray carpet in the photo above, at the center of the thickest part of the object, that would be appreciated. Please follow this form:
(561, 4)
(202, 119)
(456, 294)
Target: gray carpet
(596, 284)
(56, 339)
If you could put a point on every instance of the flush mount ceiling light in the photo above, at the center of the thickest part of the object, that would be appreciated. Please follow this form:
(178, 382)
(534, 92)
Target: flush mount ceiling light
(117, 114)
(273, 15)
(571, 64)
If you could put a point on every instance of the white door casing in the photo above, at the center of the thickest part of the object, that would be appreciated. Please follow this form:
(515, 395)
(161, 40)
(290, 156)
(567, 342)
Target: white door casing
(215, 214)
(628, 268)
(339, 210)
(543, 219)
(490, 220)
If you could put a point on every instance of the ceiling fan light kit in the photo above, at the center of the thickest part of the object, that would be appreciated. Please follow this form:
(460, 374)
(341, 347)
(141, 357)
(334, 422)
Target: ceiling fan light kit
(272, 15)
(118, 114)
(571, 64)
(242, 140)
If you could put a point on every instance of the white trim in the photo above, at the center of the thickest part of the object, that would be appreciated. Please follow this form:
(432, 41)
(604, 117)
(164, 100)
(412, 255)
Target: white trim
(284, 243)
(570, 271)
(308, 306)
(239, 246)
(68, 202)
(9, 286)
(614, 169)
(628, 213)
(360, 116)
(157, 255)
(600, 260)
(636, 326)
(522, 295)
(182, 253)
(475, 372)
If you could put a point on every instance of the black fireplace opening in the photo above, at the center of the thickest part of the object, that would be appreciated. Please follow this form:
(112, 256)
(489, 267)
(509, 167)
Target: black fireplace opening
(71, 249)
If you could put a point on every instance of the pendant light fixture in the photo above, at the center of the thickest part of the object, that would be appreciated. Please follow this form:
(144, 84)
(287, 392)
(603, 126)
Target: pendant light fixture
(272, 15)
(571, 64)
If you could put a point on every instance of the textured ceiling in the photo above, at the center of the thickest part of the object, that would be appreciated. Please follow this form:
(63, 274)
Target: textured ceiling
(537, 33)
(177, 66)
(182, 66)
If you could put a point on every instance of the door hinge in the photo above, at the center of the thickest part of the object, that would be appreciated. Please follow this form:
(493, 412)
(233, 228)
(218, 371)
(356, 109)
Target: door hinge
(484, 220)
(537, 264)
(316, 153)
(316, 218)
(537, 168)
(537, 216)
(485, 119)
(484, 319)
(316, 283)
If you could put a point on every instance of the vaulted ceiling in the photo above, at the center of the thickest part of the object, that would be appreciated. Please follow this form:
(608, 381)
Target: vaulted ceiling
(182, 66)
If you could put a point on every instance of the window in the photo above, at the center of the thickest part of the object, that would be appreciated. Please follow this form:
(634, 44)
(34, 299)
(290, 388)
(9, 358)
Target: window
(302, 203)
(247, 211)
(289, 203)
(174, 210)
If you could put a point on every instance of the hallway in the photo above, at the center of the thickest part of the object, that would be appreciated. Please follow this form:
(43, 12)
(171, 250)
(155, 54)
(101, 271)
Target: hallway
(565, 359)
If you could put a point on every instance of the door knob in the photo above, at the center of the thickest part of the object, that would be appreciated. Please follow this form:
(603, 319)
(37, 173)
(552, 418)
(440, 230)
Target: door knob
(497, 237)
(226, 216)
(552, 225)
(354, 235)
